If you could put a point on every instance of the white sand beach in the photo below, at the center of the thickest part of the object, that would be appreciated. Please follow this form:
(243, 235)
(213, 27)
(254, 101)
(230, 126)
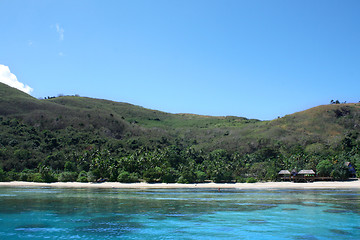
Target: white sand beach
(260, 185)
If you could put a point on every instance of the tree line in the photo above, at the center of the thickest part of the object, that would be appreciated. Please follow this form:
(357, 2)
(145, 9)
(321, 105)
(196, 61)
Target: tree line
(31, 154)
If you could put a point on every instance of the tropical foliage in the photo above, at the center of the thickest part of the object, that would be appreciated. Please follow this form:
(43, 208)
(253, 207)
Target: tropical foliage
(71, 138)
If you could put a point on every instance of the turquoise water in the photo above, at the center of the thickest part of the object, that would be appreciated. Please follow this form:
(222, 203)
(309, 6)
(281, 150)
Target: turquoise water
(54, 213)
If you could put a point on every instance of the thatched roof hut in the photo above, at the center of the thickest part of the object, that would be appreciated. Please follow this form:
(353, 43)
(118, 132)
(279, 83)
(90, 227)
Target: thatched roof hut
(306, 172)
(284, 172)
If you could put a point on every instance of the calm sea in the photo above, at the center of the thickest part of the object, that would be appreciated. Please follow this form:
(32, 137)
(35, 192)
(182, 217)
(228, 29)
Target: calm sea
(54, 213)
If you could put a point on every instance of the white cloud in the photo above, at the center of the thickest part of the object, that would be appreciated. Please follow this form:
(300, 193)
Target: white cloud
(60, 31)
(10, 79)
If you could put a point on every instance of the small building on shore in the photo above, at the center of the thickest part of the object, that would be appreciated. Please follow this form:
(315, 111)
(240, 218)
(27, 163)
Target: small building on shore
(308, 173)
(304, 176)
(284, 175)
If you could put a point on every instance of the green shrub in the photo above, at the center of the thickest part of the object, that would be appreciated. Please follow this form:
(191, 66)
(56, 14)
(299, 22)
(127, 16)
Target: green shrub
(34, 177)
(187, 176)
(340, 172)
(47, 175)
(26, 175)
(152, 175)
(69, 166)
(324, 168)
(23, 176)
(68, 177)
(251, 180)
(91, 177)
(182, 179)
(126, 177)
(170, 175)
(241, 180)
(12, 176)
(200, 176)
(2, 175)
(82, 177)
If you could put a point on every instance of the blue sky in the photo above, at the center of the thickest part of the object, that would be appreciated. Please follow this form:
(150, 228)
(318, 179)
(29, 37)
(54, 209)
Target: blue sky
(255, 59)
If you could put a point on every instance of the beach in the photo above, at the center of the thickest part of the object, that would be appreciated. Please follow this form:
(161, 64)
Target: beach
(355, 184)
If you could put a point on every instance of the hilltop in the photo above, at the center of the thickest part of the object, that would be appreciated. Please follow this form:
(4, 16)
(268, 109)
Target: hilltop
(51, 132)
(122, 120)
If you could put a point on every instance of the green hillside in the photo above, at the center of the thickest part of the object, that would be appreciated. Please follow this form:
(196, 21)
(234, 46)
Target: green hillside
(71, 136)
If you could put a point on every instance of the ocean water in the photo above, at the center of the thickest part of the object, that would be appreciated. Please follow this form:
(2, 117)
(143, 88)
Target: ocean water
(55, 213)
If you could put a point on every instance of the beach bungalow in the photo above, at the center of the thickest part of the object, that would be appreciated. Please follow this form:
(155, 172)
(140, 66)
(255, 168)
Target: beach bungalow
(284, 175)
(305, 175)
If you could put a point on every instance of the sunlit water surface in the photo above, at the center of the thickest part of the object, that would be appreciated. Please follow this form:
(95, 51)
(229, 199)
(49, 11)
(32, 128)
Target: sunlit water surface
(55, 213)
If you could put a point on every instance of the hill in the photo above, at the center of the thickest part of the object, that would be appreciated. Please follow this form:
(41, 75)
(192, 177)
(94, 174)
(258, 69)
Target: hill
(49, 133)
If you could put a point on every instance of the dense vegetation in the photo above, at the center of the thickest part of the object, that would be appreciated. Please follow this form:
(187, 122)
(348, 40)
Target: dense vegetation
(72, 138)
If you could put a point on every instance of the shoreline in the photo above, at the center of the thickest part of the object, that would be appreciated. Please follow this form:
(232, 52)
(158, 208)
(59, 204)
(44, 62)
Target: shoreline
(260, 185)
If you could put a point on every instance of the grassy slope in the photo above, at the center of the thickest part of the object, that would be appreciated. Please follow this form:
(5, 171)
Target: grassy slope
(325, 120)
(324, 124)
(47, 114)
(147, 117)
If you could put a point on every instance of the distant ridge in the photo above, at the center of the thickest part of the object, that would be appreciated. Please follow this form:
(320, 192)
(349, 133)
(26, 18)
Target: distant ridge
(322, 124)
(72, 138)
